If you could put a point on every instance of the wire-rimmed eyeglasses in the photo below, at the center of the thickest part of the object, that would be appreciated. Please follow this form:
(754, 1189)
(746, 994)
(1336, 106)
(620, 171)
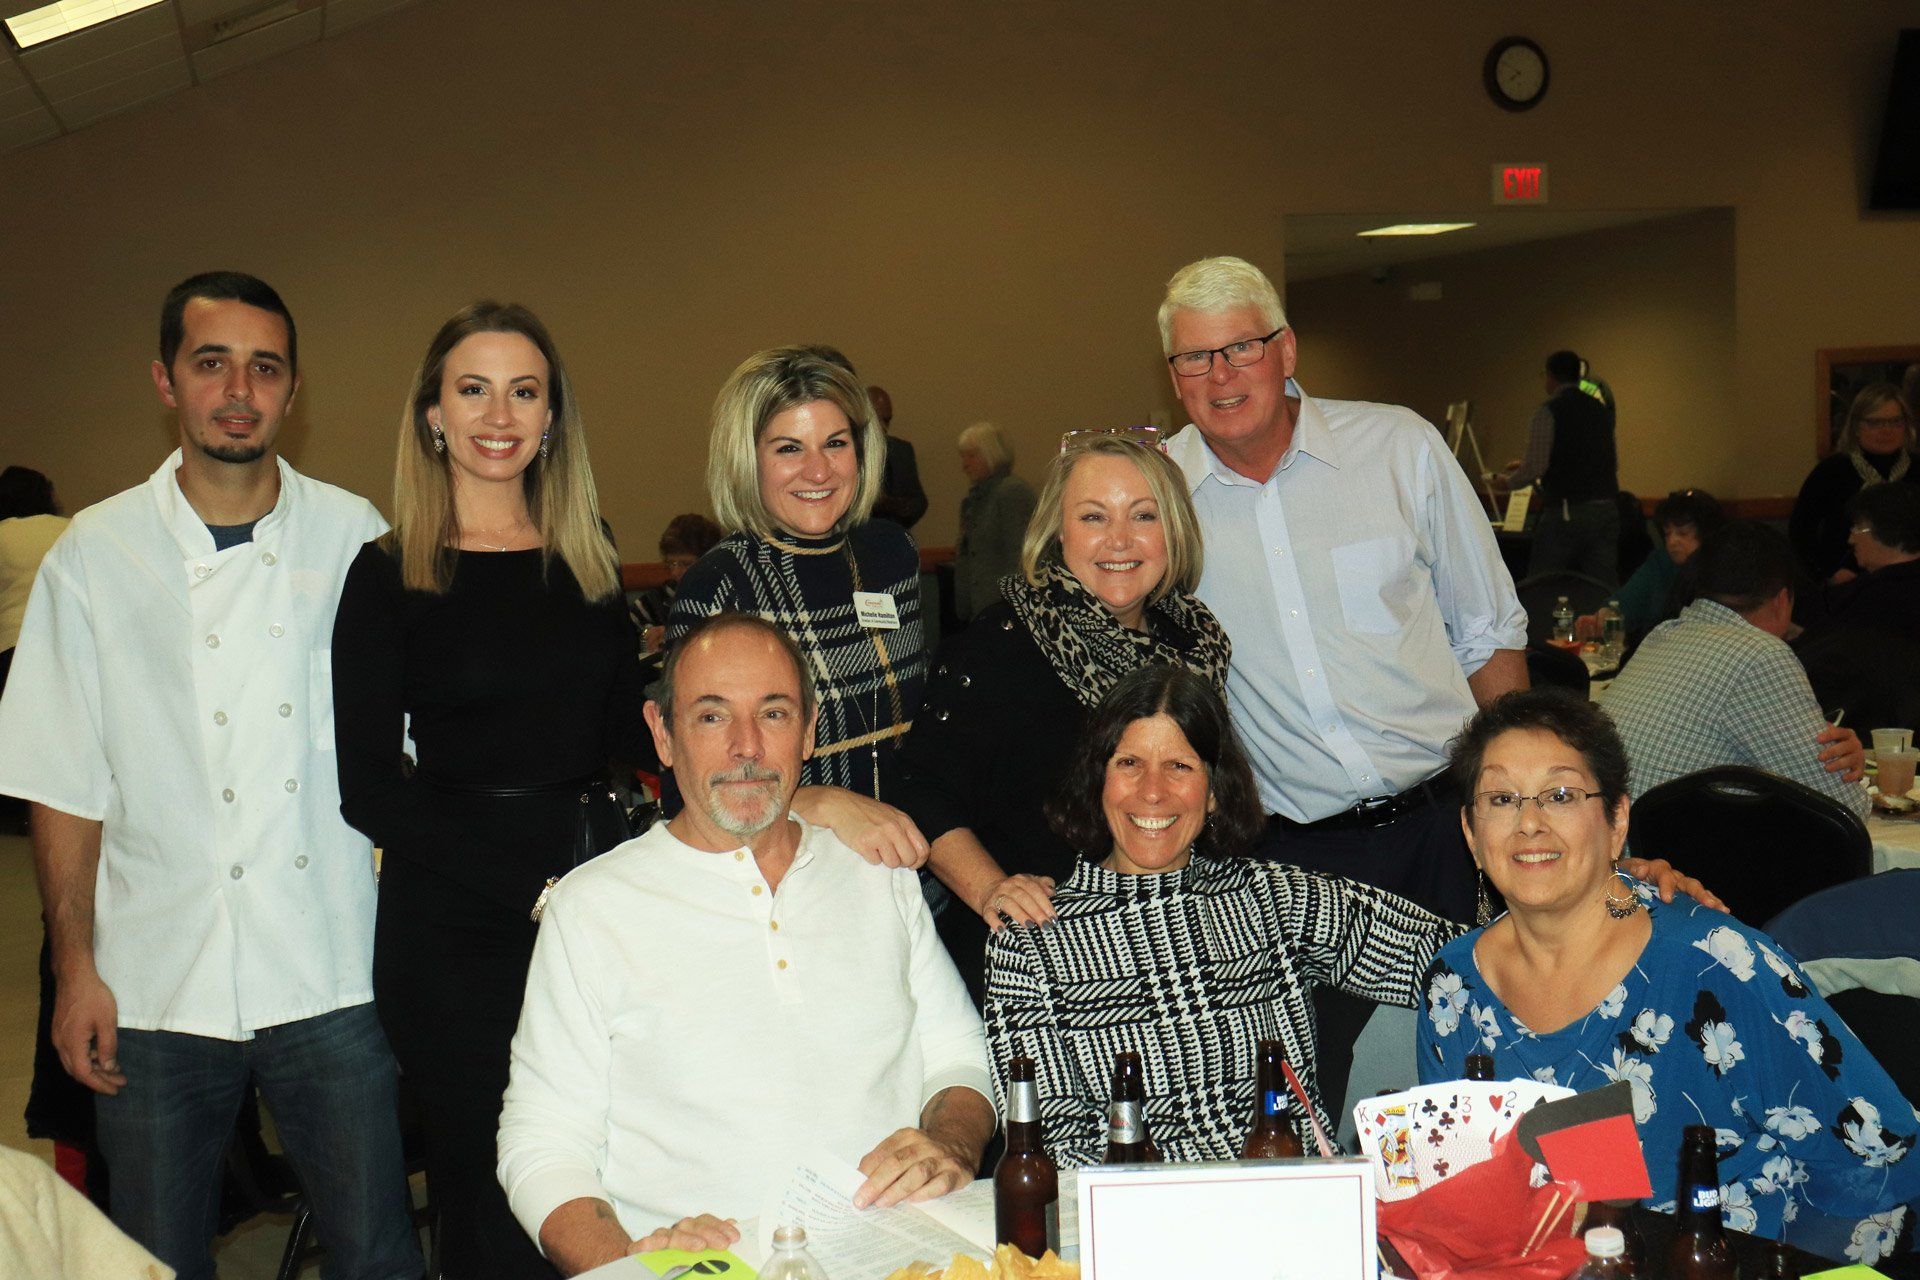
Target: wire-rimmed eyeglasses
(1192, 364)
(1552, 801)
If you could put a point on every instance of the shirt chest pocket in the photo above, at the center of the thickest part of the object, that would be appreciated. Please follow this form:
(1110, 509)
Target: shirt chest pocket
(1377, 581)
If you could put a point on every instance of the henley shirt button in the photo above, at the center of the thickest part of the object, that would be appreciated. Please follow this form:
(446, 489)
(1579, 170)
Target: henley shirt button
(276, 631)
(301, 862)
(286, 709)
(293, 785)
(201, 571)
(219, 717)
(774, 925)
(739, 855)
(213, 642)
(782, 964)
(756, 890)
(267, 557)
(227, 795)
(237, 871)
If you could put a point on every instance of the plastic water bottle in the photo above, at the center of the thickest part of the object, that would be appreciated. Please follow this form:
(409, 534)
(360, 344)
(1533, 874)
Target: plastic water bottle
(790, 1259)
(1606, 1256)
(1563, 622)
(1613, 630)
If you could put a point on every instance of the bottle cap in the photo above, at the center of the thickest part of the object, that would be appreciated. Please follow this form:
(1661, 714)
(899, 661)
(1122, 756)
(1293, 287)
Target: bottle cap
(1606, 1242)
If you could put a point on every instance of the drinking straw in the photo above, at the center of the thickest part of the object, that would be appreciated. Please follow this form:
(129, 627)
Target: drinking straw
(1319, 1134)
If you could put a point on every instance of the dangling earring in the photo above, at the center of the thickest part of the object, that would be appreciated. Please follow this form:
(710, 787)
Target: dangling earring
(1621, 908)
(546, 447)
(1482, 899)
(439, 441)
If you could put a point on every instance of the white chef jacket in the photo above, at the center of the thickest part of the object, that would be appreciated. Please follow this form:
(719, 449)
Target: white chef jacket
(183, 697)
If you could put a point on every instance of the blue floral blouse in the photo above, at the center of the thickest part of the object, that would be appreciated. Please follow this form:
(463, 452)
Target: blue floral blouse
(1716, 1025)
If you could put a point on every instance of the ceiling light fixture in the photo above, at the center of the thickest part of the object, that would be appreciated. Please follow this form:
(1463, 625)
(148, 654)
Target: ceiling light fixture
(50, 22)
(1418, 229)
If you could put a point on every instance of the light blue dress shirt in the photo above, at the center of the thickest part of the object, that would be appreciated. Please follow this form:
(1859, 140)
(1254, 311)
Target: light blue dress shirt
(1361, 586)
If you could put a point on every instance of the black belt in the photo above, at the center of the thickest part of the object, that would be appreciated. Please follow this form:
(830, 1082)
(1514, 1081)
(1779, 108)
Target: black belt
(1380, 811)
(585, 785)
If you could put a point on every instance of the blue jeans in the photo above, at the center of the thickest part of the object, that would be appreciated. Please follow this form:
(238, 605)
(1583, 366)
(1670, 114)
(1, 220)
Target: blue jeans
(330, 1083)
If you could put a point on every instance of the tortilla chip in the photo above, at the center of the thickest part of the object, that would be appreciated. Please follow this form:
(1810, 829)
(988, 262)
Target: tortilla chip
(966, 1267)
(918, 1271)
(1009, 1263)
(1053, 1267)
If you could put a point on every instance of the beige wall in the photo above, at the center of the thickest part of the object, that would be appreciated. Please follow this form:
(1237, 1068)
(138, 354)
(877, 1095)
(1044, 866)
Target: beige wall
(1651, 307)
(978, 202)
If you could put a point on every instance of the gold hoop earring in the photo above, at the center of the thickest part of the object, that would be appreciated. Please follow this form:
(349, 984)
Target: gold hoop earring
(1621, 908)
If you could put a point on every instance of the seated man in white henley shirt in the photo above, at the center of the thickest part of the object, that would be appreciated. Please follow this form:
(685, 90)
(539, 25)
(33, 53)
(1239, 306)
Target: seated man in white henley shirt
(712, 1001)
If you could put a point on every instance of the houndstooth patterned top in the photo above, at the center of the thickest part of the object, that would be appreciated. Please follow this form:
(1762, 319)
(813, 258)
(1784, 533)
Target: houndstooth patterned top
(1189, 968)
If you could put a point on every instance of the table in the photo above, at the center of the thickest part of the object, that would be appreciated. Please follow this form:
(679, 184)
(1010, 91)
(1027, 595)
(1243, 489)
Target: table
(1896, 842)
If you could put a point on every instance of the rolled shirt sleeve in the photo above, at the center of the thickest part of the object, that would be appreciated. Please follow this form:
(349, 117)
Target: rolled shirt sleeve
(1470, 581)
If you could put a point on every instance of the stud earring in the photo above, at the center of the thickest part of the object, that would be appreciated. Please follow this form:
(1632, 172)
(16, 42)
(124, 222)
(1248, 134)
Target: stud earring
(546, 447)
(439, 441)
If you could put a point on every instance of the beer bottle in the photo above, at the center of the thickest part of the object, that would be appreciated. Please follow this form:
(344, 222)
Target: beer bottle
(1026, 1182)
(1779, 1262)
(1127, 1140)
(1618, 1214)
(1479, 1066)
(1699, 1249)
(1269, 1136)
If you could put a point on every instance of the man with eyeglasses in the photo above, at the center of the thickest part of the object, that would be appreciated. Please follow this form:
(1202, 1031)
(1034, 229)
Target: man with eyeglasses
(1355, 570)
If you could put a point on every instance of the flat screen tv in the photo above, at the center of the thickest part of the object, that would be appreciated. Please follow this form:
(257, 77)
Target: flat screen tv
(1896, 175)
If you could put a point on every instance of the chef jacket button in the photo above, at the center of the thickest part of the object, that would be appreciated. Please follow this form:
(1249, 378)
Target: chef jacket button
(267, 557)
(301, 862)
(213, 642)
(201, 571)
(219, 717)
(293, 784)
(276, 631)
(286, 709)
(227, 795)
(237, 871)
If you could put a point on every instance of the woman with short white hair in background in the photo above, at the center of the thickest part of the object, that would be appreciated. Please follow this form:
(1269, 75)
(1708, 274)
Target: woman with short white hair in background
(993, 519)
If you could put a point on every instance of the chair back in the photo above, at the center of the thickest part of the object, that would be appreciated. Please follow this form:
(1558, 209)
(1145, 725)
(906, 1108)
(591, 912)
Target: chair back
(1541, 593)
(1760, 841)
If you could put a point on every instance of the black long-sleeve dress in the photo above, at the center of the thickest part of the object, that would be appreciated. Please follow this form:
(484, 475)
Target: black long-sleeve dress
(511, 679)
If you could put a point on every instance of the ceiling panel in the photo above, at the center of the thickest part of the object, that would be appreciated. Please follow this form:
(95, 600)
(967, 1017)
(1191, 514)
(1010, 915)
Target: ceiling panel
(27, 128)
(192, 11)
(113, 39)
(255, 46)
(115, 67)
(87, 107)
(342, 14)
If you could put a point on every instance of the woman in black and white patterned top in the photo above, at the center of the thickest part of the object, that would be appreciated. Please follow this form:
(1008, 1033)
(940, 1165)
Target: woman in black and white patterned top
(1166, 943)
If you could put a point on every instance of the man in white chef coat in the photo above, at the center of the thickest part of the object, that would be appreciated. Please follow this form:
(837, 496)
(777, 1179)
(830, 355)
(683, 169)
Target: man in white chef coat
(169, 718)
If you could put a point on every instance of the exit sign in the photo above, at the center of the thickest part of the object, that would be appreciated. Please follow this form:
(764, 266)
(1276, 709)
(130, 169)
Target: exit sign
(1519, 184)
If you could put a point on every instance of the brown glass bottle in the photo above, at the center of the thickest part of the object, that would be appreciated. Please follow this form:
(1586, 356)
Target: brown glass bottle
(1269, 1135)
(1780, 1262)
(1699, 1250)
(1026, 1182)
(1127, 1138)
(1479, 1066)
(1619, 1215)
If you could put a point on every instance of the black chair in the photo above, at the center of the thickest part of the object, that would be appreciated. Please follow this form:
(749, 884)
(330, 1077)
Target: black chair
(1860, 945)
(1760, 841)
(1540, 593)
(1549, 664)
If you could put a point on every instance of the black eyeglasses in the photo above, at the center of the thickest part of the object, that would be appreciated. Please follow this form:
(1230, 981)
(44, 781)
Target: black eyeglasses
(1192, 364)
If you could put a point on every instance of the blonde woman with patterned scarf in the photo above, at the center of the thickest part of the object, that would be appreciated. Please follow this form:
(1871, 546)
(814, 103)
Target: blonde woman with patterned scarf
(1875, 446)
(1108, 568)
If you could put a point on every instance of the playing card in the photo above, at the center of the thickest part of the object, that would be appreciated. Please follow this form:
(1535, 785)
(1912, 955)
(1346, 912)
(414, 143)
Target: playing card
(1386, 1131)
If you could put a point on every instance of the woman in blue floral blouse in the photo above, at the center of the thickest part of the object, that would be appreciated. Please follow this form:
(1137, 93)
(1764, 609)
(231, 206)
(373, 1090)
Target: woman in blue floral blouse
(1589, 979)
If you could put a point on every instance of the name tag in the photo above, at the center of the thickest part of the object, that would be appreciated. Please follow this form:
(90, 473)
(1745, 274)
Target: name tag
(876, 610)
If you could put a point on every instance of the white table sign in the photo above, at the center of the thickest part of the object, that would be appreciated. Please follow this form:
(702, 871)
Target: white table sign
(1259, 1220)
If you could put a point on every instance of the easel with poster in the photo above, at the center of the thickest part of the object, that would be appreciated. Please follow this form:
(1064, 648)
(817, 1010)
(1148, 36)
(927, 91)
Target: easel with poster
(1461, 435)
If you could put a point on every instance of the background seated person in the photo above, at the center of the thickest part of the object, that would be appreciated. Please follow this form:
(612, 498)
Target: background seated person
(1160, 799)
(730, 991)
(1682, 519)
(1875, 446)
(1588, 979)
(1718, 685)
(688, 536)
(1864, 654)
